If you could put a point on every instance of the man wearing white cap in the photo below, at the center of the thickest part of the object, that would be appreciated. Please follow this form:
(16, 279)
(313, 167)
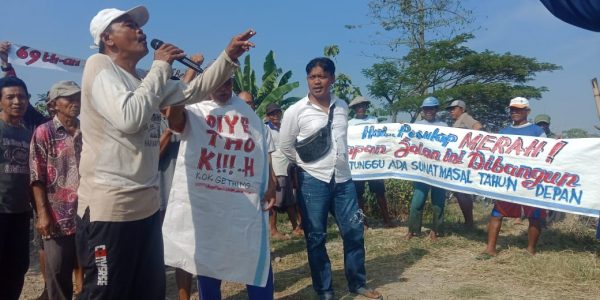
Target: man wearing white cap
(519, 110)
(120, 122)
(463, 120)
(54, 160)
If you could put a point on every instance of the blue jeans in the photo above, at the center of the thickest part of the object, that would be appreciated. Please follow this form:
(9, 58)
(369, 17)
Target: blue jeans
(317, 199)
(210, 288)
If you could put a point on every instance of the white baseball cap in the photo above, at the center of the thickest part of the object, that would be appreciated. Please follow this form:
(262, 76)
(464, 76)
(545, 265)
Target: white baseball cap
(106, 16)
(519, 102)
(458, 103)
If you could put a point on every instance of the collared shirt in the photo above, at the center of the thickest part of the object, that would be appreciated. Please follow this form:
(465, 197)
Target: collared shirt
(54, 161)
(300, 121)
(465, 121)
(120, 123)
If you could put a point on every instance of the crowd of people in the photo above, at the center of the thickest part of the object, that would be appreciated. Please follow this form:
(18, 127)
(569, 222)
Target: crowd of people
(133, 171)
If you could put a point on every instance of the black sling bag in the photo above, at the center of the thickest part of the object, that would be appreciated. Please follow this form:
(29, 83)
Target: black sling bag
(318, 144)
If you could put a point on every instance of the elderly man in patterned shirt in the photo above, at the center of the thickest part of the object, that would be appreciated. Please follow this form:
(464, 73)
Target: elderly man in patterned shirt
(54, 161)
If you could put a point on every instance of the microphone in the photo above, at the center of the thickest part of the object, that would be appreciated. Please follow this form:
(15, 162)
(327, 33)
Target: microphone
(156, 43)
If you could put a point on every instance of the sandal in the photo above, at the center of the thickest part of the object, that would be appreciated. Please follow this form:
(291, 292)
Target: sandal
(369, 293)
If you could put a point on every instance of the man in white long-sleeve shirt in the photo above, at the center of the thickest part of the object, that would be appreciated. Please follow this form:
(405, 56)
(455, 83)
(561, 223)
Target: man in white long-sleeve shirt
(325, 184)
(120, 227)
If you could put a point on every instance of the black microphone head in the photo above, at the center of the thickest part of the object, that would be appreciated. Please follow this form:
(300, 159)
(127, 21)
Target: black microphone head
(156, 43)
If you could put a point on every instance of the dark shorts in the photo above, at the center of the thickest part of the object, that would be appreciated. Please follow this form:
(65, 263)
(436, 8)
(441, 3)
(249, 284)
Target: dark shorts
(122, 260)
(513, 210)
(284, 196)
(375, 186)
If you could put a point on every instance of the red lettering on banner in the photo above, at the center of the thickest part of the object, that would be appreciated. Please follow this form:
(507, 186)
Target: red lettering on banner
(405, 148)
(487, 139)
(502, 145)
(531, 176)
(355, 150)
(557, 147)
(22, 52)
(470, 142)
(48, 57)
(535, 148)
(35, 56)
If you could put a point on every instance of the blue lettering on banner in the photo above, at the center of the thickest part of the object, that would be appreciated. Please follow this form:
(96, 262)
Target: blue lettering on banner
(435, 135)
(370, 132)
(497, 181)
(567, 195)
(367, 165)
(453, 174)
(398, 165)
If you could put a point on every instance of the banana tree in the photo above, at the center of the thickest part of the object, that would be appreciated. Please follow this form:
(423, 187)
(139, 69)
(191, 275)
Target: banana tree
(273, 86)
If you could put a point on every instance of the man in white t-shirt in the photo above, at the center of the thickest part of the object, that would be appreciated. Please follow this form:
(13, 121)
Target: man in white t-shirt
(285, 200)
(216, 225)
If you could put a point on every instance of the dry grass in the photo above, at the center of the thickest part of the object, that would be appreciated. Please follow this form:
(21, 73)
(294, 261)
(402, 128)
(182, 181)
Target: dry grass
(567, 265)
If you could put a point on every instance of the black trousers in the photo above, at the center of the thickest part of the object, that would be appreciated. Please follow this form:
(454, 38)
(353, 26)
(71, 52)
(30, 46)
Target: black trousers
(14, 253)
(122, 260)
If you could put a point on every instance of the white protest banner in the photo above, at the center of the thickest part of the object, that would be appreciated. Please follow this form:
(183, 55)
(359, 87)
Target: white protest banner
(31, 57)
(554, 174)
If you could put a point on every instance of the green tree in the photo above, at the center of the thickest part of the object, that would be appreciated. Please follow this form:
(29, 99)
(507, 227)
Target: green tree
(40, 104)
(484, 80)
(343, 87)
(274, 87)
(575, 133)
(415, 21)
(412, 23)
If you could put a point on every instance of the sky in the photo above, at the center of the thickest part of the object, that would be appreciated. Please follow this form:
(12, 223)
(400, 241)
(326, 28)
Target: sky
(298, 31)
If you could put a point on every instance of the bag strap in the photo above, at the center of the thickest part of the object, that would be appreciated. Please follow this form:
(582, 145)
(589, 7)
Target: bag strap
(330, 119)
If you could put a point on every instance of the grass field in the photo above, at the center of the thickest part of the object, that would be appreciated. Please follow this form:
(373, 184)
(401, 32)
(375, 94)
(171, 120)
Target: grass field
(567, 265)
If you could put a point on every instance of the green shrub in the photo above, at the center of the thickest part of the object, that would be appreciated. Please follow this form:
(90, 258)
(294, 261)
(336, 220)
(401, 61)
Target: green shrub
(398, 194)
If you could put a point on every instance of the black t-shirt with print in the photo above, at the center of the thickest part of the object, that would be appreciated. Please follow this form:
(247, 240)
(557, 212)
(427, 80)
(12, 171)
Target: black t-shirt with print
(15, 193)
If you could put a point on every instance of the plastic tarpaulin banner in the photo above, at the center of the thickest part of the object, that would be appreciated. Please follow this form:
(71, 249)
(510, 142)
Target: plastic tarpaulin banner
(554, 174)
(31, 57)
(37, 58)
